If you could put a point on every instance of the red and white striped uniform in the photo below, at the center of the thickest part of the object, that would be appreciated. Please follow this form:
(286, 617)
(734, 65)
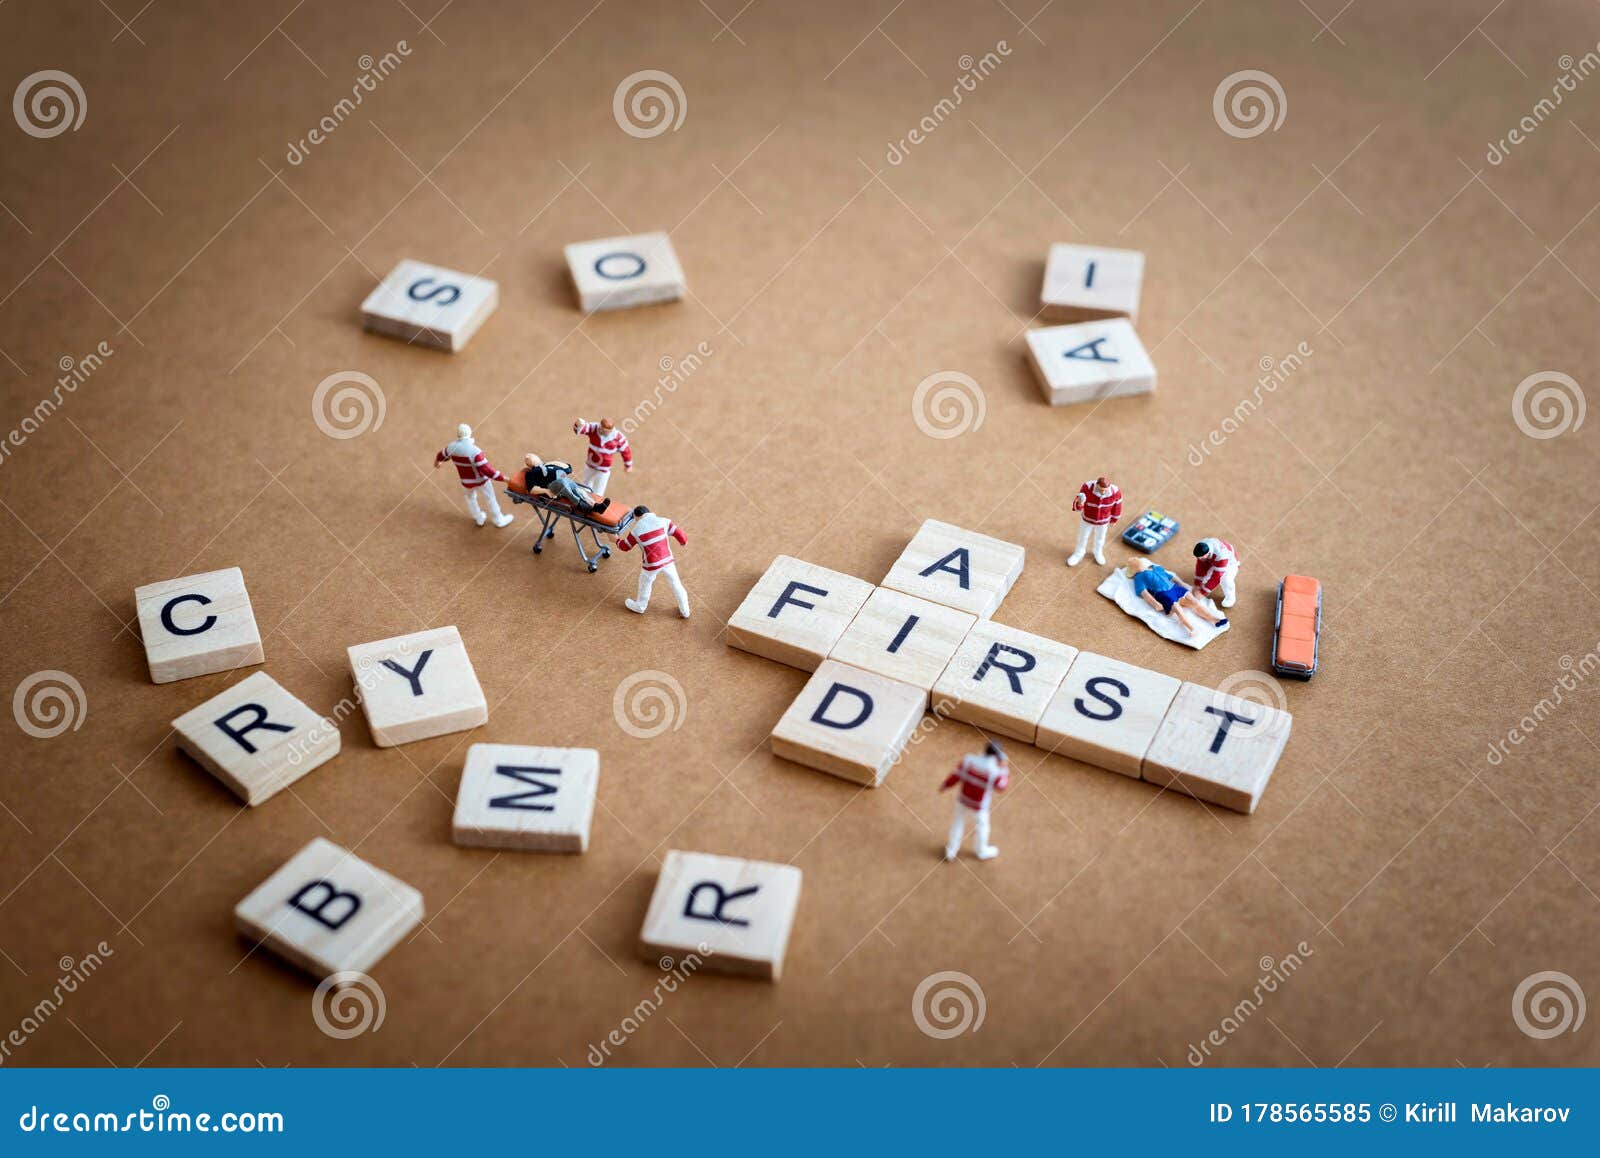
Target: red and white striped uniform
(604, 447)
(980, 777)
(471, 466)
(1211, 570)
(1101, 510)
(654, 534)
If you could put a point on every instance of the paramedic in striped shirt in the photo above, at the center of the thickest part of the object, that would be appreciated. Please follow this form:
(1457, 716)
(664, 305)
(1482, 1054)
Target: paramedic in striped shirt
(655, 534)
(475, 473)
(980, 777)
(1216, 567)
(605, 443)
(1101, 504)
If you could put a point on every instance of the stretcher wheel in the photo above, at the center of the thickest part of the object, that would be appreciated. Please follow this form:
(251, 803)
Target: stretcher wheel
(538, 548)
(593, 567)
(605, 552)
(550, 534)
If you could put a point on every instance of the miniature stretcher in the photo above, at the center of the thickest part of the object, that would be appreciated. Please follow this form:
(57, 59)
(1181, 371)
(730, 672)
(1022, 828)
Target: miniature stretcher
(552, 511)
(1298, 627)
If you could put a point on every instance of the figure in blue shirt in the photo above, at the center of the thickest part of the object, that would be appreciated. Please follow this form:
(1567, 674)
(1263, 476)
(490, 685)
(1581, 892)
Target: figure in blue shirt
(1160, 589)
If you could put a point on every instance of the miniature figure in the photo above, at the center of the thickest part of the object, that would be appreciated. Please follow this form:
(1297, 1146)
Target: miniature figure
(1216, 565)
(605, 443)
(652, 532)
(980, 777)
(1160, 589)
(555, 479)
(1101, 504)
(1150, 531)
(474, 471)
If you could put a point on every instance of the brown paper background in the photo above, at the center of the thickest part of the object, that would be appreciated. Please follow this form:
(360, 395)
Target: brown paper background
(1119, 925)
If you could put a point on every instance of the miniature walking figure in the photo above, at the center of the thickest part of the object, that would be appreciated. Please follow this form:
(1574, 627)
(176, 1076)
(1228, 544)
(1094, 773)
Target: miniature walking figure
(1160, 589)
(1101, 504)
(605, 443)
(1216, 566)
(980, 777)
(653, 533)
(555, 479)
(475, 473)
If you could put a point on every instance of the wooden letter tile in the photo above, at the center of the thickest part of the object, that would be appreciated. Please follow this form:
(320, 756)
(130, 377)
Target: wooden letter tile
(956, 567)
(1106, 713)
(619, 272)
(415, 686)
(796, 612)
(849, 722)
(328, 911)
(198, 625)
(1091, 361)
(1217, 747)
(430, 305)
(728, 914)
(533, 799)
(903, 637)
(1084, 283)
(1001, 679)
(256, 738)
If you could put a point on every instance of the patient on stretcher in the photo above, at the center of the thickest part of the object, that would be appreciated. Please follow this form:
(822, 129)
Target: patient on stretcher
(555, 480)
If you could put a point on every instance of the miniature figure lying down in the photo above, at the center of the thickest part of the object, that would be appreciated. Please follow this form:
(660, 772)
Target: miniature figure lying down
(1149, 592)
(555, 480)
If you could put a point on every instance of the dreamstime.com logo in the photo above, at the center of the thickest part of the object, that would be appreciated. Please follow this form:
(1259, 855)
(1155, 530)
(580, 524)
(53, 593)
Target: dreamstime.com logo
(348, 1004)
(1258, 688)
(1548, 1004)
(674, 973)
(1248, 103)
(648, 103)
(1548, 404)
(347, 404)
(49, 103)
(48, 703)
(948, 1004)
(649, 703)
(948, 404)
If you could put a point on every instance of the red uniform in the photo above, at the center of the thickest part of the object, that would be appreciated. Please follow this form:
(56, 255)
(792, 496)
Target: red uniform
(654, 534)
(1210, 570)
(603, 448)
(1101, 510)
(980, 778)
(471, 466)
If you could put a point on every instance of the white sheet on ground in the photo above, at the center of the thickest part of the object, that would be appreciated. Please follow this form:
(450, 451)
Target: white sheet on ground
(1118, 587)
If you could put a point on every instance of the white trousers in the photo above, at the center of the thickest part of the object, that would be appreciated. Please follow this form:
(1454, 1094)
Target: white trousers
(1230, 573)
(647, 580)
(493, 503)
(1099, 533)
(958, 827)
(595, 478)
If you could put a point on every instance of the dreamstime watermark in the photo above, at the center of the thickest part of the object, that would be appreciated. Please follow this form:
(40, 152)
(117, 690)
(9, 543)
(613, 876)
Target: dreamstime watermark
(1575, 672)
(348, 1004)
(1273, 974)
(948, 1004)
(365, 679)
(649, 703)
(74, 373)
(1274, 373)
(73, 974)
(673, 974)
(49, 103)
(648, 103)
(948, 404)
(1548, 1004)
(674, 373)
(48, 703)
(373, 72)
(1261, 690)
(347, 404)
(1248, 103)
(1572, 73)
(973, 72)
(1548, 404)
